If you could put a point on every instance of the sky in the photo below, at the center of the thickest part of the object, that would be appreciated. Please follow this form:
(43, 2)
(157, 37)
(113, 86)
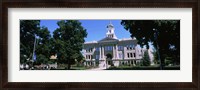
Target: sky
(96, 29)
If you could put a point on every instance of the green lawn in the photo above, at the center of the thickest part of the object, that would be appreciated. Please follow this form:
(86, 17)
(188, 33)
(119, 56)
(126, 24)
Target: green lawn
(155, 67)
(73, 67)
(124, 67)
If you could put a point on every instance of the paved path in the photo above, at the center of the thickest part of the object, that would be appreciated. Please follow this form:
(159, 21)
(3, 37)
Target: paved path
(96, 69)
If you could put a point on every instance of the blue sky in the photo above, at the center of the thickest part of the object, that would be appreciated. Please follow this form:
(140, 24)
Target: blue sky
(96, 29)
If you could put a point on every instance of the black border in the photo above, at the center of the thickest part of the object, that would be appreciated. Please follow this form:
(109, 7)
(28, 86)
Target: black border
(194, 4)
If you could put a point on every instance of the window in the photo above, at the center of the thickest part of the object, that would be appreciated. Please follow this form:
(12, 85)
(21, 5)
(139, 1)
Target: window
(120, 47)
(128, 55)
(97, 49)
(97, 56)
(134, 54)
(86, 56)
(131, 54)
(120, 55)
(106, 48)
(91, 56)
(110, 48)
(91, 50)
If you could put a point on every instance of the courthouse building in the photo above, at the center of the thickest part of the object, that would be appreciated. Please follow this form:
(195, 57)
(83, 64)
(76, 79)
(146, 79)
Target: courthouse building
(111, 51)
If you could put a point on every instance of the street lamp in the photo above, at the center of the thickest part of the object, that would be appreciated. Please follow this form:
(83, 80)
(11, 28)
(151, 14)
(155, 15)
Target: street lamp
(157, 46)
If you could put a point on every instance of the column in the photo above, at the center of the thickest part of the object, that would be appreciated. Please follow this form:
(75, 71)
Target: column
(94, 63)
(117, 55)
(113, 52)
(100, 53)
(93, 49)
(103, 52)
(136, 53)
(125, 55)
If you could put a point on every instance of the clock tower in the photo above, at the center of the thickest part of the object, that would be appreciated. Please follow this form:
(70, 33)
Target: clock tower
(110, 31)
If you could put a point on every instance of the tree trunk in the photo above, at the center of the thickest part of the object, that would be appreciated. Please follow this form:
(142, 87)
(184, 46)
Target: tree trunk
(162, 60)
(69, 65)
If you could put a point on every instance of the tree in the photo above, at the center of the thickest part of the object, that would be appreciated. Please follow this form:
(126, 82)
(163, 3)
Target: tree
(146, 59)
(68, 41)
(162, 33)
(42, 59)
(155, 57)
(28, 30)
(43, 46)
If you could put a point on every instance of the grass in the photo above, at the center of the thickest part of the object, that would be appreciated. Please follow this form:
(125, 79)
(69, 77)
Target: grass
(73, 67)
(155, 67)
(123, 67)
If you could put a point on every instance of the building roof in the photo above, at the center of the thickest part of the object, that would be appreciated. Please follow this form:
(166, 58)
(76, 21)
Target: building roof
(127, 39)
(91, 42)
(53, 57)
(107, 39)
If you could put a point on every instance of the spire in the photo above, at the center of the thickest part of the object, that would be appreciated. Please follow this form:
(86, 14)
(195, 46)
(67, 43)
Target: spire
(110, 24)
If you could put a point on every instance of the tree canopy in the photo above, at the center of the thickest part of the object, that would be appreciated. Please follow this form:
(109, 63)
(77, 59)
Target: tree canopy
(43, 46)
(146, 59)
(28, 30)
(164, 34)
(68, 41)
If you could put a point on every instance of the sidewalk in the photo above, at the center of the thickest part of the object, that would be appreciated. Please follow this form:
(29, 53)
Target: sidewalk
(95, 69)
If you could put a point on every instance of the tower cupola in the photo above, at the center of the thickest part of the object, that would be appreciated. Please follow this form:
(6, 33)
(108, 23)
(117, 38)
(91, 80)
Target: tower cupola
(110, 31)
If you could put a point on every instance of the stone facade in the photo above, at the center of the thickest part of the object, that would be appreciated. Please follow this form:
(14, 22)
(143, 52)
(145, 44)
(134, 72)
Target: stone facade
(111, 51)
